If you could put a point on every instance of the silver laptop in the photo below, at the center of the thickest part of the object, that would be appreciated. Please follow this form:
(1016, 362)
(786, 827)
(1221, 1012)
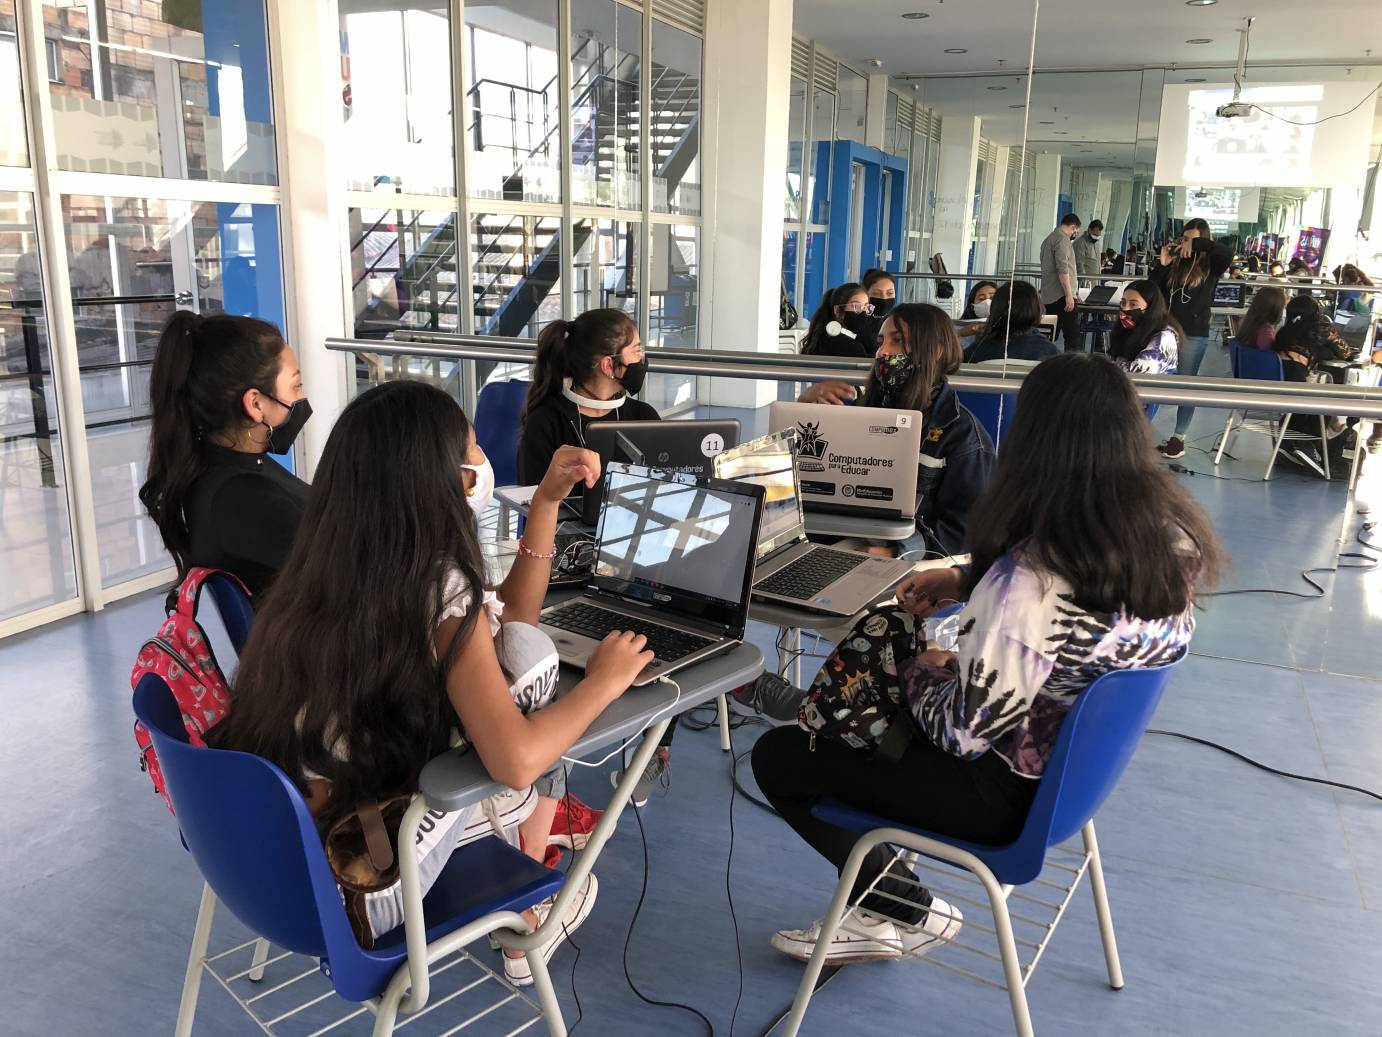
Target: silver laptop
(790, 568)
(673, 561)
(854, 460)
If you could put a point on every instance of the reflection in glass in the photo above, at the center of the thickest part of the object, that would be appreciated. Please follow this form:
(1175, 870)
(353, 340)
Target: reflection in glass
(796, 146)
(605, 270)
(14, 148)
(176, 90)
(672, 308)
(516, 272)
(36, 552)
(513, 103)
(403, 269)
(396, 61)
(133, 261)
(791, 242)
(822, 145)
(606, 54)
(853, 92)
(675, 120)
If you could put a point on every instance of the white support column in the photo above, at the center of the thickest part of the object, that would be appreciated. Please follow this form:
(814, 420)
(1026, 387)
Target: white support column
(1045, 202)
(875, 112)
(996, 194)
(307, 98)
(959, 158)
(748, 58)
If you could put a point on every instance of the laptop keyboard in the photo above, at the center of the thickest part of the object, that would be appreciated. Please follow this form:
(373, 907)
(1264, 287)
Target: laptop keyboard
(667, 644)
(810, 574)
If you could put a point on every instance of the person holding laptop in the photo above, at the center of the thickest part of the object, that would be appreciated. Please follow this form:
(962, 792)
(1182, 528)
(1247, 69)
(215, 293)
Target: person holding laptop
(587, 369)
(362, 662)
(1063, 586)
(1011, 331)
(918, 349)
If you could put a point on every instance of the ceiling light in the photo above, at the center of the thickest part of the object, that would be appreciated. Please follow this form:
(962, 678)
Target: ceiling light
(1046, 122)
(956, 50)
(1194, 80)
(876, 62)
(1017, 106)
(918, 15)
(998, 88)
(1200, 40)
(1190, 3)
(1063, 133)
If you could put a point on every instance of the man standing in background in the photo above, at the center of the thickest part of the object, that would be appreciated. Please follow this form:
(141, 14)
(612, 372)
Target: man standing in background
(1058, 279)
(1087, 250)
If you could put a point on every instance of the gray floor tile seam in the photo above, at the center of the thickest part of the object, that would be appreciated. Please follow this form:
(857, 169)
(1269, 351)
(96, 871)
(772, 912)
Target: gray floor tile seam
(1142, 865)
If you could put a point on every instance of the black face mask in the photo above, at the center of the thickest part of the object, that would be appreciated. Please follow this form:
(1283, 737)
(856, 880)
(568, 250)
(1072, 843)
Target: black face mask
(882, 306)
(863, 325)
(632, 378)
(281, 439)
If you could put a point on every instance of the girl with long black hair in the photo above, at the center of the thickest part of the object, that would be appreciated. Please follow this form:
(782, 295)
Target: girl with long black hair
(224, 391)
(1146, 339)
(1010, 333)
(382, 634)
(587, 369)
(1187, 273)
(882, 291)
(917, 352)
(848, 306)
(1085, 554)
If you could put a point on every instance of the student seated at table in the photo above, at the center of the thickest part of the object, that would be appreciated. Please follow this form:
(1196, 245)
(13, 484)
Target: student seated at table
(1011, 332)
(882, 291)
(1257, 329)
(1356, 301)
(849, 310)
(1065, 584)
(917, 352)
(1147, 339)
(224, 391)
(587, 369)
(978, 308)
(1305, 343)
(381, 636)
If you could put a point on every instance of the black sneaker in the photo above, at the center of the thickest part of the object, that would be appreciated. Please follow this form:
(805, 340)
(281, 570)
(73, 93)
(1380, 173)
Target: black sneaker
(1305, 457)
(775, 698)
(1173, 449)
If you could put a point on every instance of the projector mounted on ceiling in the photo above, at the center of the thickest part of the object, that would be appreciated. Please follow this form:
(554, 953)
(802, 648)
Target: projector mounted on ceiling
(1233, 110)
(1237, 109)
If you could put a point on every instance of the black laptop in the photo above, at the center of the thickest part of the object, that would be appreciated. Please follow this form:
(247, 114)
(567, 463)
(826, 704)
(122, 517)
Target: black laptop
(685, 447)
(1230, 295)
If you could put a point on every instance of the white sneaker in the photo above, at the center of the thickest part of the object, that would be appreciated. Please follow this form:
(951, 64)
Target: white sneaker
(864, 936)
(516, 970)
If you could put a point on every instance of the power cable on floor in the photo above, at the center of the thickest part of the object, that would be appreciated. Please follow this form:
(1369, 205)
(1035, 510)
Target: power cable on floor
(1262, 766)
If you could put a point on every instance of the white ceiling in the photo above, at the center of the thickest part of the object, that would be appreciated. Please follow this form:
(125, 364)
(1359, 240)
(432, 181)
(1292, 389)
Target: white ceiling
(1100, 109)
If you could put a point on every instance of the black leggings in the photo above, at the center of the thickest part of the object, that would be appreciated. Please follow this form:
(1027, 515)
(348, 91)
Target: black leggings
(980, 801)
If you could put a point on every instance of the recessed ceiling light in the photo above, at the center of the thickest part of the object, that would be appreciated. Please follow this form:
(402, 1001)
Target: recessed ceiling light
(1046, 122)
(1200, 40)
(918, 15)
(1063, 133)
(956, 50)
(1017, 106)
(998, 88)
(876, 62)
(1199, 3)
(1194, 80)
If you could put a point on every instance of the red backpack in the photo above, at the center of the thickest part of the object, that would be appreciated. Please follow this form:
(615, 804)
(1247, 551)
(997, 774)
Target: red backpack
(181, 654)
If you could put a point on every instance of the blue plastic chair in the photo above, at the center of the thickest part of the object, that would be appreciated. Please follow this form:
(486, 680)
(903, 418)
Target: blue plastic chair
(233, 604)
(1264, 365)
(250, 832)
(1095, 744)
(498, 420)
(994, 411)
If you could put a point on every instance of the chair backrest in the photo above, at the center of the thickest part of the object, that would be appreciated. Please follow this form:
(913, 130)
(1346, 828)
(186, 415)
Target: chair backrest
(237, 614)
(994, 411)
(1097, 740)
(1260, 364)
(253, 839)
(498, 419)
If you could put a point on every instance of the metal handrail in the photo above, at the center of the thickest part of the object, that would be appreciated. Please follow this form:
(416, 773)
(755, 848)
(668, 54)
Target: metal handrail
(1225, 393)
(1255, 282)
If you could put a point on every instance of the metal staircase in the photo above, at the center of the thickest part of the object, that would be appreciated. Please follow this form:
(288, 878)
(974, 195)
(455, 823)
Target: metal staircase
(515, 260)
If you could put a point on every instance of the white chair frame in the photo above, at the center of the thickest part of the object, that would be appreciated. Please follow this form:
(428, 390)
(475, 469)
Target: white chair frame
(1275, 427)
(997, 898)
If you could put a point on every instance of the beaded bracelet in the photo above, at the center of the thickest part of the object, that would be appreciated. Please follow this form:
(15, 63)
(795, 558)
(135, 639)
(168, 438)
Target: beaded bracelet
(524, 549)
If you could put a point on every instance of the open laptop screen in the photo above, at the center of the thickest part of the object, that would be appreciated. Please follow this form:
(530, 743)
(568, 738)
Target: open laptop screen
(769, 462)
(675, 541)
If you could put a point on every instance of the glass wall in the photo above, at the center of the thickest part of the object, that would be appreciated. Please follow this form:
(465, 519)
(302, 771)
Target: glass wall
(606, 60)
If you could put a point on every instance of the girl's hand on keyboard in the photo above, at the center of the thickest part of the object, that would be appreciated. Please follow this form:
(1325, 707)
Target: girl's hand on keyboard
(618, 659)
(923, 593)
(570, 465)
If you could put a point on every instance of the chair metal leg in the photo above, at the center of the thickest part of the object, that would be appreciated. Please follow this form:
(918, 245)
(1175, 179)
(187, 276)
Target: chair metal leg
(1276, 448)
(546, 996)
(192, 981)
(1223, 440)
(831, 922)
(1101, 908)
(722, 707)
(1007, 949)
(1324, 444)
(1358, 449)
(261, 955)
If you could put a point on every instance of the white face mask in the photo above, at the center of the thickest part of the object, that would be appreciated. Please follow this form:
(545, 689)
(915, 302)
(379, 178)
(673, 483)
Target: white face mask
(480, 495)
(981, 309)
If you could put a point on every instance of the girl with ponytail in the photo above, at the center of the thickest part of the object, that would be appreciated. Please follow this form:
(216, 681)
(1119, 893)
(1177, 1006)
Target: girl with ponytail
(224, 391)
(587, 369)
